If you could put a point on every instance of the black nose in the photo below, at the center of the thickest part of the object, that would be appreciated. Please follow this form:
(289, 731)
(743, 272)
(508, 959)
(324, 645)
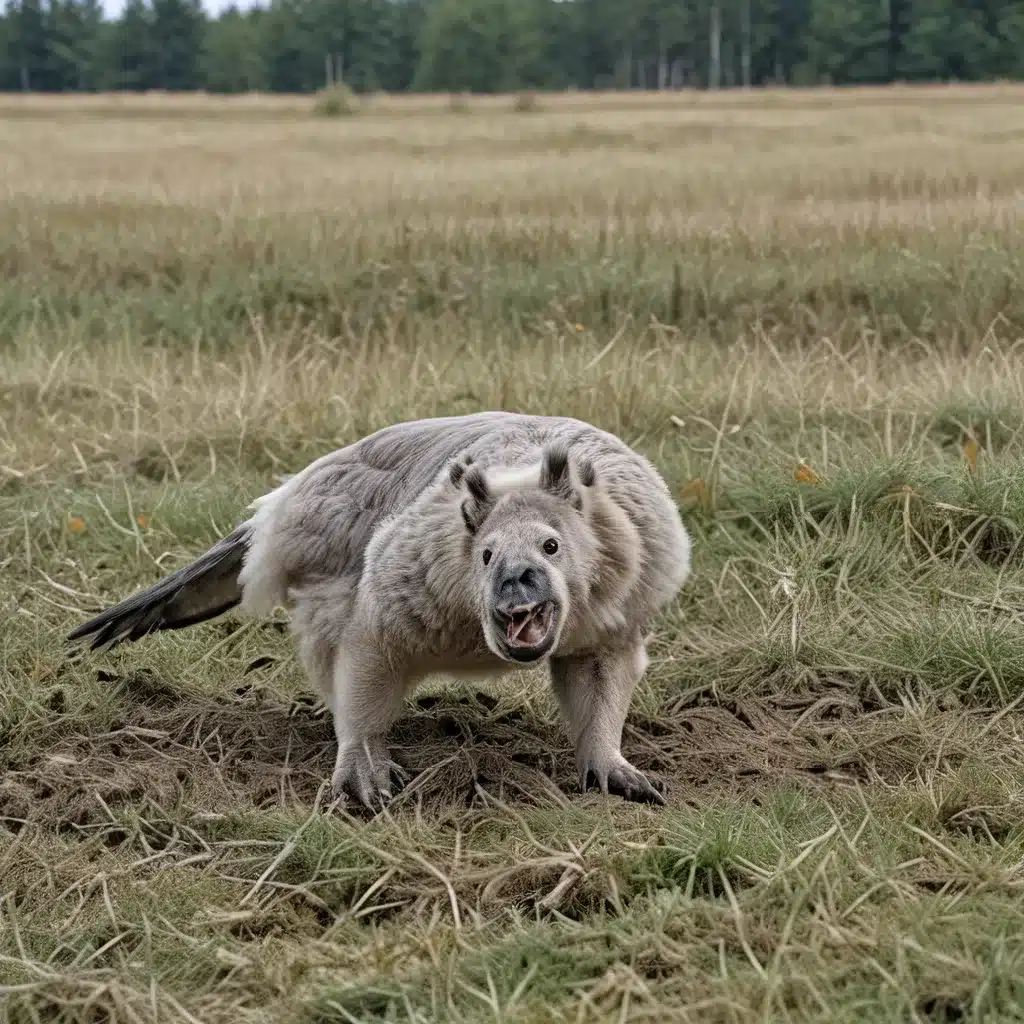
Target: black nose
(517, 590)
(527, 577)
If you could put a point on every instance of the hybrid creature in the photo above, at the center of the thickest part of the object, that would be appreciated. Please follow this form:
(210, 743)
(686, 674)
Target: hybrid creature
(457, 545)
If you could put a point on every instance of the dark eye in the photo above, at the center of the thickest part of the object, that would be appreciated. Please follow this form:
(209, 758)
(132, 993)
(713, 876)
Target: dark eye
(487, 556)
(550, 546)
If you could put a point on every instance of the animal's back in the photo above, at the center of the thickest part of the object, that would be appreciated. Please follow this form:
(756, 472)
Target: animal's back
(318, 524)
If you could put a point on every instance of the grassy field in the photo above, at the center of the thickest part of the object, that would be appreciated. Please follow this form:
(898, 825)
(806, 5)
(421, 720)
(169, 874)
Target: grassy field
(807, 308)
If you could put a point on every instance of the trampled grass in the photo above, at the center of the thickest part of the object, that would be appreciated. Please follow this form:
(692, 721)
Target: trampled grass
(805, 307)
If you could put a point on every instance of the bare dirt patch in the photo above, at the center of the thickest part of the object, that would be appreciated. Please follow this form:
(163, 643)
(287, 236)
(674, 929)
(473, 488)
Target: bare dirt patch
(253, 749)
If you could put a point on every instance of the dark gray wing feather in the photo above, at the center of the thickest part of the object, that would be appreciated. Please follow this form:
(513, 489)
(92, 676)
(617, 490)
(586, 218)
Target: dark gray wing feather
(201, 590)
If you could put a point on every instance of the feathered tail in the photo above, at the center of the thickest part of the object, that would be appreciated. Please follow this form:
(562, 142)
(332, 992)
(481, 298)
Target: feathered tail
(201, 590)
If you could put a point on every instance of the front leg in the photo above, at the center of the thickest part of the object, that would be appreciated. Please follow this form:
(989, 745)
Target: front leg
(594, 691)
(366, 699)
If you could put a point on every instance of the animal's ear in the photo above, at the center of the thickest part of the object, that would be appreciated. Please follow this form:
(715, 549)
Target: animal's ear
(479, 501)
(556, 475)
(457, 468)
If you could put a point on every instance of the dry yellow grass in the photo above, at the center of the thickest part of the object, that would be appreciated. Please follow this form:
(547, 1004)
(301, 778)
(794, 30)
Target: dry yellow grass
(804, 306)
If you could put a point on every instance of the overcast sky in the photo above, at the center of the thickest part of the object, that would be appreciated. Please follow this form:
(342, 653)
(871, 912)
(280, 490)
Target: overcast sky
(114, 7)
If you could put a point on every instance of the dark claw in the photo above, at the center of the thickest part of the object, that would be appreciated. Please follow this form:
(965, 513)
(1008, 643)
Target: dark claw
(641, 792)
(630, 783)
(353, 787)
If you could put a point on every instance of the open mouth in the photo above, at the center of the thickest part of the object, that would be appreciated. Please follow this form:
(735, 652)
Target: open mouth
(529, 629)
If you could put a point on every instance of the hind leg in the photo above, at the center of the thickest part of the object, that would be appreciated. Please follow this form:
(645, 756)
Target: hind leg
(594, 692)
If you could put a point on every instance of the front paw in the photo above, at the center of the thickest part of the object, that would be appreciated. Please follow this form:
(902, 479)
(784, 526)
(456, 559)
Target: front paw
(620, 778)
(365, 773)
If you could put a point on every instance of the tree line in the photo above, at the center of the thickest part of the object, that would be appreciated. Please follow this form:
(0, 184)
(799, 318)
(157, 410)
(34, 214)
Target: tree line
(505, 45)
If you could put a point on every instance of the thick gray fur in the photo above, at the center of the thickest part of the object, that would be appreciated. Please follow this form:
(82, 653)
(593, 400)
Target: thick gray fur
(379, 549)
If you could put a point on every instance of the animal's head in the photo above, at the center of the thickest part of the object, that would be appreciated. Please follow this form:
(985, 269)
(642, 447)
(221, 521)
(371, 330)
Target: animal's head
(530, 549)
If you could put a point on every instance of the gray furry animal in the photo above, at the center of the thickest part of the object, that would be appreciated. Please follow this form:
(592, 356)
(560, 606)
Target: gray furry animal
(465, 544)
